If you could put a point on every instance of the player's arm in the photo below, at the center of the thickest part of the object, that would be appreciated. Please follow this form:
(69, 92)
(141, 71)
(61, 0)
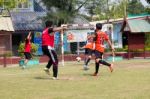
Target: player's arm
(56, 29)
(29, 35)
(110, 44)
(94, 36)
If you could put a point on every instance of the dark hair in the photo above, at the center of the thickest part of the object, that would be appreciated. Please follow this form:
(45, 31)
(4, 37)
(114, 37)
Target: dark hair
(48, 23)
(99, 26)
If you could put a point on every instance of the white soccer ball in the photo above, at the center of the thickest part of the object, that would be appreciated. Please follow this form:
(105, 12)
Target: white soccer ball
(78, 59)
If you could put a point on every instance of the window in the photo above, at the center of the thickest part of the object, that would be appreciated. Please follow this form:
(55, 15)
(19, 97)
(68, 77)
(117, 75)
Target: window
(22, 4)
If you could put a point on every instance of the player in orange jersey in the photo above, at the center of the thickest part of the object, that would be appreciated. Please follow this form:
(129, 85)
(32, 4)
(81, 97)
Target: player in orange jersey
(100, 37)
(89, 48)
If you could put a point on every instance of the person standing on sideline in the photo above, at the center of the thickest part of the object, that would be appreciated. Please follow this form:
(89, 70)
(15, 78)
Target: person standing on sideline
(48, 47)
(27, 49)
(100, 37)
(89, 49)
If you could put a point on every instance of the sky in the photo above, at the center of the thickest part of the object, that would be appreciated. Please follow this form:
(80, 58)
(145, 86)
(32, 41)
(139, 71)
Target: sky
(144, 2)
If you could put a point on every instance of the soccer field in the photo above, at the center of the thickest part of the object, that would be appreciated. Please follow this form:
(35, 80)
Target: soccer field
(130, 80)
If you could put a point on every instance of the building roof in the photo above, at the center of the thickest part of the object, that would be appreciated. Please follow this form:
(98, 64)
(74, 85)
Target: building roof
(38, 6)
(79, 20)
(137, 25)
(6, 24)
(27, 20)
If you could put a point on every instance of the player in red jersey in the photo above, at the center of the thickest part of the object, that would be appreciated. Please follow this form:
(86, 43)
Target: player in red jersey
(100, 37)
(48, 47)
(27, 49)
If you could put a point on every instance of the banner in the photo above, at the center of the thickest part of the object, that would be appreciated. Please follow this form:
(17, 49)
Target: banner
(38, 40)
(77, 35)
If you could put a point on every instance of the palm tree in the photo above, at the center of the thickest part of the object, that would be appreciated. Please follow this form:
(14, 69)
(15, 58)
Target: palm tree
(63, 10)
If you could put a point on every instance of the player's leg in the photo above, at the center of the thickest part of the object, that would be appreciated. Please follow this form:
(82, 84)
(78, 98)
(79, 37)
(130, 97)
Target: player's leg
(55, 63)
(101, 61)
(46, 52)
(27, 58)
(88, 56)
(98, 56)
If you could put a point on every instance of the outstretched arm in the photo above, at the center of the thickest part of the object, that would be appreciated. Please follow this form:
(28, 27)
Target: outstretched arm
(56, 29)
(29, 35)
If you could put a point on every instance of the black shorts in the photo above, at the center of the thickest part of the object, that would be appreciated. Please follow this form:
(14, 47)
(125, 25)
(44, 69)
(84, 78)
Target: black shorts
(27, 55)
(88, 51)
(98, 54)
(51, 54)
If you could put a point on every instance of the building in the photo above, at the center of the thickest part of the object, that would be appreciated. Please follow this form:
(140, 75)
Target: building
(6, 30)
(135, 30)
(25, 17)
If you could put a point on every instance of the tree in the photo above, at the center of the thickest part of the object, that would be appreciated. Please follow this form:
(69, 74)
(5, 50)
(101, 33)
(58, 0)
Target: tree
(98, 8)
(135, 7)
(62, 11)
(9, 4)
(106, 9)
(148, 1)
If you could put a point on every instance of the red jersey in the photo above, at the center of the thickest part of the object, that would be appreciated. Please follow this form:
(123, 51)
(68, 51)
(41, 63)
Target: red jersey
(100, 38)
(90, 43)
(27, 46)
(47, 39)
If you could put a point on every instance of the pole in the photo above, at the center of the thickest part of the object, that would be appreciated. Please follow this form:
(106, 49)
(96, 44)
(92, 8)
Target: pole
(112, 40)
(78, 44)
(62, 47)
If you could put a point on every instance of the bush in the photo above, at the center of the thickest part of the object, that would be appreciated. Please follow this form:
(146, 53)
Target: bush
(34, 48)
(8, 54)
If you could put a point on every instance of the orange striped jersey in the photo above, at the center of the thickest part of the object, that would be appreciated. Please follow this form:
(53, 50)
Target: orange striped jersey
(90, 42)
(100, 38)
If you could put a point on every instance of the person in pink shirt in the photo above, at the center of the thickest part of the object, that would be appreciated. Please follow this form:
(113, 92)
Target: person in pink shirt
(48, 47)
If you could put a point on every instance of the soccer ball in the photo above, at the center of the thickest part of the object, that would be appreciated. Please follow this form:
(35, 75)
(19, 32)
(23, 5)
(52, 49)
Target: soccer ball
(78, 59)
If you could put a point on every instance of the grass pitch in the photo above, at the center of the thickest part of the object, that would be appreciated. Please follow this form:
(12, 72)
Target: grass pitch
(130, 80)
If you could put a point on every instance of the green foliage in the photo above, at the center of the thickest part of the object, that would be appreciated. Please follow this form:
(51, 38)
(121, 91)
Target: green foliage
(135, 7)
(148, 1)
(118, 50)
(147, 42)
(147, 10)
(34, 48)
(9, 4)
(62, 11)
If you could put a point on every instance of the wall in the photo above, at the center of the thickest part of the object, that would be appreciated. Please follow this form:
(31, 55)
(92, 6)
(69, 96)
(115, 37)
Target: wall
(5, 40)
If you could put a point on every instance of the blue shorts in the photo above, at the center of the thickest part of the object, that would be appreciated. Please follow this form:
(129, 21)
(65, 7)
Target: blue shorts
(98, 54)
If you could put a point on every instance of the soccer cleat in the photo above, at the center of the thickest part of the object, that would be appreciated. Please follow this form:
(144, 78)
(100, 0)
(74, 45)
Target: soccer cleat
(54, 78)
(111, 68)
(95, 74)
(85, 67)
(47, 71)
(23, 67)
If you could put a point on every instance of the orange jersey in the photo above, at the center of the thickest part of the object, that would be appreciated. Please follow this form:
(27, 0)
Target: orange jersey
(100, 38)
(90, 43)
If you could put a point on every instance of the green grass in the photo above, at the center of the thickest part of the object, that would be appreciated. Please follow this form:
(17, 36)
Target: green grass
(130, 80)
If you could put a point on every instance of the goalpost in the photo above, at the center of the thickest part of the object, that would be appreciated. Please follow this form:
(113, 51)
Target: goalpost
(76, 37)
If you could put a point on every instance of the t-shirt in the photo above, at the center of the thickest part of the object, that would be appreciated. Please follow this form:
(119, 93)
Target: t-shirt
(27, 46)
(90, 43)
(47, 38)
(100, 38)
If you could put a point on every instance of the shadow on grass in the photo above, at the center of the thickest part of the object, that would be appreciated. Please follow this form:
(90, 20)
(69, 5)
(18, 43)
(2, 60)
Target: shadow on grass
(50, 78)
(87, 74)
(43, 78)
